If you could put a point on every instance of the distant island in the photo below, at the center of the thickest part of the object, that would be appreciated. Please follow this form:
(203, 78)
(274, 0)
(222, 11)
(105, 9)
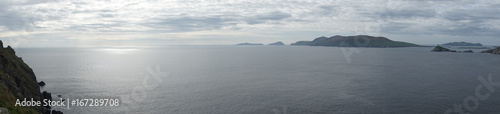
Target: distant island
(355, 41)
(443, 49)
(462, 44)
(277, 43)
(246, 43)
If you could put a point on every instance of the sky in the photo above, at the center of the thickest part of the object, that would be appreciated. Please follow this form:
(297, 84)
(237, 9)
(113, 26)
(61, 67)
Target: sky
(88, 23)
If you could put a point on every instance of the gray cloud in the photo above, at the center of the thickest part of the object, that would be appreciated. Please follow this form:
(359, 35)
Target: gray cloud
(444, 17)
(396, 17)
(397, 28)
(467, 28)
(472, 14)
(11, 19)
(180, 24)
(328, 10)
(266, 17)
(13, 16)
(106, 15)
(412, 13)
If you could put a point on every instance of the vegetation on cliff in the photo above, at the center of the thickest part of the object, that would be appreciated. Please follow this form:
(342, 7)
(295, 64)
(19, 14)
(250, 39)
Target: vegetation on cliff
(17, 81)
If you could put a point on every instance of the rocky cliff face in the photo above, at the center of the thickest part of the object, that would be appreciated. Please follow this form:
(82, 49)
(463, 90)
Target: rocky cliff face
(17, 81)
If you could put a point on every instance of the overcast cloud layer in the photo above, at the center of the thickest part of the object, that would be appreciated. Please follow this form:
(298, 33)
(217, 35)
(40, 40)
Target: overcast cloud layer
(222, 22)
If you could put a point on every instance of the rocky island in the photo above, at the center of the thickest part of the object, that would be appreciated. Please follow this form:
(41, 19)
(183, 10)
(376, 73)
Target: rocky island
(442, 49)
(355, 41)
(18, 81)
(277, 43)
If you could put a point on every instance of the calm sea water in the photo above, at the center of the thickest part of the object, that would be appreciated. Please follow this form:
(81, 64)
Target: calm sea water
(265, 79)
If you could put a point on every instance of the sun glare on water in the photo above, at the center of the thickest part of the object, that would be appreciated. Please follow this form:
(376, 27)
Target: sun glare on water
(119, 50)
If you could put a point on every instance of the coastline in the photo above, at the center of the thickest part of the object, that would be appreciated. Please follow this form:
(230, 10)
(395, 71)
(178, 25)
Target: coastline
(17, 82)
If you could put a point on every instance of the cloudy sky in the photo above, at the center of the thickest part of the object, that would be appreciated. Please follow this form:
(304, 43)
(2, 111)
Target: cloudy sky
(35, 23)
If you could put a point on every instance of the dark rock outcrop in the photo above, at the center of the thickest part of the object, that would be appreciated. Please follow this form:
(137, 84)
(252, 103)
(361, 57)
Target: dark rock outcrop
(277, 43)
(355, 41)
(41, 83)
(46, 111)
(11, 50)
(442, 49)
(493, 51)
(56, 112)
(47, 95)
(469, 51)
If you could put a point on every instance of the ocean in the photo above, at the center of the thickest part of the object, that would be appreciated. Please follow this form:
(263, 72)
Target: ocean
(267, 79)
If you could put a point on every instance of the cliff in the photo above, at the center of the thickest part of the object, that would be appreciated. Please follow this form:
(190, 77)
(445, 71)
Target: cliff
(355, 41)
(17, 81)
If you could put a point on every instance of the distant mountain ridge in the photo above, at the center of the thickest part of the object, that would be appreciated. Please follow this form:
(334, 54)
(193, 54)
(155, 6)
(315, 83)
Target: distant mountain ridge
(355, 41)
(462, 44)
(246, 43)
(277, 43)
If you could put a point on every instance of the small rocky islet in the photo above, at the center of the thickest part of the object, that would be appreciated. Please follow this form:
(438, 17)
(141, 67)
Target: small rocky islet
(443, 49)
(465, 45)
(438, 48)
(279, 43)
